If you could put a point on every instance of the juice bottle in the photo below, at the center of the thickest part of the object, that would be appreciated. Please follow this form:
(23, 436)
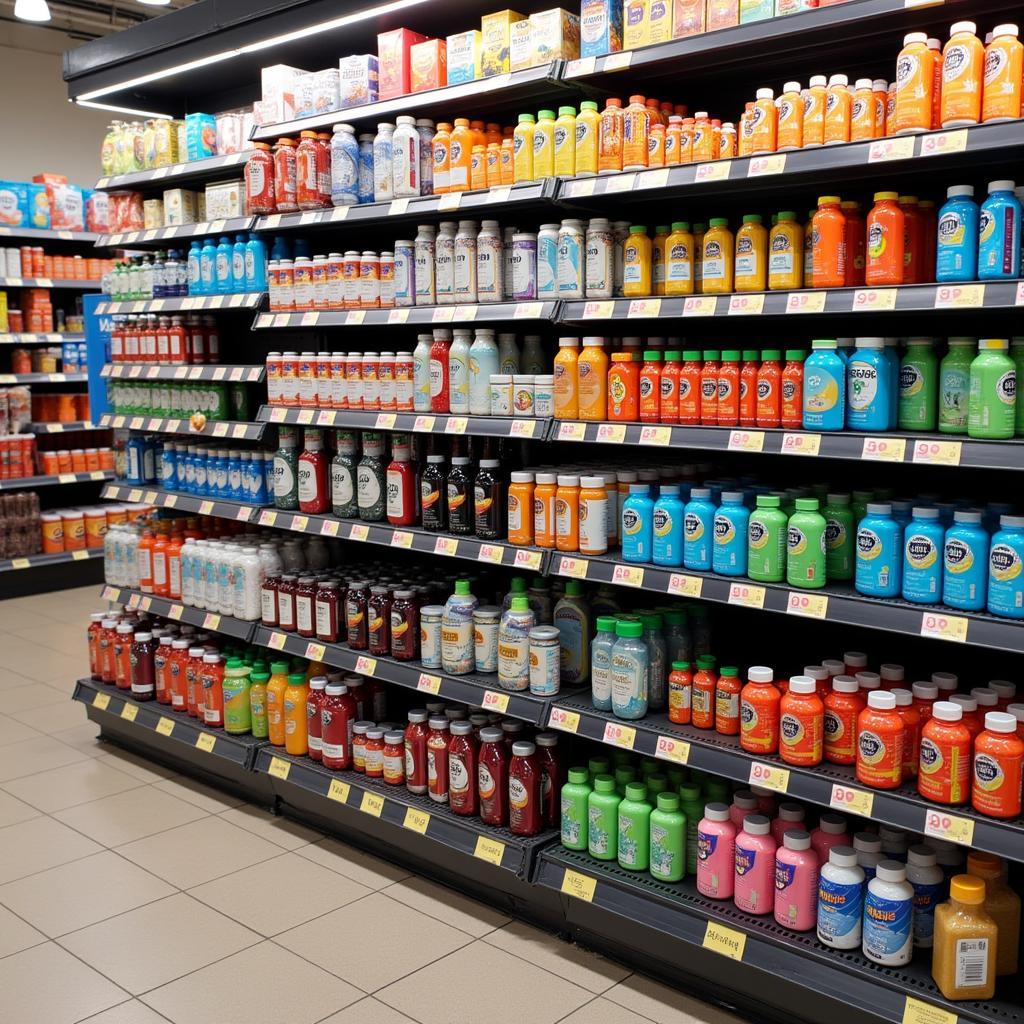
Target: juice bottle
(727, 702)
(862, 113)
(751, 273)
(507, 159)
(658, 258)
(212, 680)
(680, 689)
(624, 388)
(786, 253)
(728, 408)
(935, 52)
(679, 260)
(567, 380)
(838, 110)
(996, 778)
(805, 552)
(1004, 72)
(761, 128)
(636, 125)
(478, 168)
(915, 86)
(880, 736)
(880, 91)
(544, 145)
(671, 376)
(814, 112)
(673, 141)
(634, 828)
(1002, 904)
(686, 141)
(809, 249)
(842, 706)
(650, 388)
(544, 510)
(703, 138)
(705, 681)
(759, 712)
(965, 941)
(829, 244)
(656, 146)
(748, 388)
(911, 730)
(769, 389)
(792, 406)
(442, 157)
(717, 258)
(567, 513)
(801, 723)
(699, 230)
(690, 388)
(293, 701)
(565, 143)
(463, 138)
(609, 152)
(593, 380)
(716, 853)
(790, 130)
(754, 891)
(963, 67)
(523, 148)
(855, 243)
(637, 277)
(913, 242)
(885, 245)
(276, 686)
(709, 388)
(587, 139)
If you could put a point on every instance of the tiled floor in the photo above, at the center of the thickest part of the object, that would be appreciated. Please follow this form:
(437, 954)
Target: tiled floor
(130, 895)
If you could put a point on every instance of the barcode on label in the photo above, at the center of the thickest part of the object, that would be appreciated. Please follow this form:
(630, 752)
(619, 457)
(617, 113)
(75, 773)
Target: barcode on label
(971, 963)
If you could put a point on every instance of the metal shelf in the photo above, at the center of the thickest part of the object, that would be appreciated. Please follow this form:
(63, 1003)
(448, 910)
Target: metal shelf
(237, 431)
(24, 483)
(168, 609)
(160, 498)
(42, 235)
(153, 371)
(483, 313)
(67, 284)
(827, 785)
(43, 378)
(41, 561)
(157, 236)
(183, 303)
(37, 338)
(62, 428)
(173, 174)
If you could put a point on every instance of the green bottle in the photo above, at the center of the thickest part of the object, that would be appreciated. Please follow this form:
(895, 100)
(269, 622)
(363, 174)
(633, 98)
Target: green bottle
(859, 504)
(1017, 354)
(237, 706)
(575, 794)
(624, 775)
(955, 385)
(622, 759)
(766, 540)
(717, 791)
(991, 407)
(668, 839)
(656, 784)
(598, 766)
(603, 819)
(919, 374)
(635, 829)
(805, 548)
(839, 537)
(692, 803)
(676, 777)
(648, 767)
(258, 703)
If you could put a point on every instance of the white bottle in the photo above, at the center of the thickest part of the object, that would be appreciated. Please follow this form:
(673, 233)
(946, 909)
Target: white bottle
(490, 263)
(426, 130)
(888, 913)
(199, 574)
(465, 263)
(383, 163)
(924, 874)
(188, 553)
(533, 360)
(869, 852)
(599, 279)
(248, 585)
(405, 272)
(571, 247)
(424, 258)
(458, 373)
(445, 262)
(509, 359)
(840, 900)
(483, 364)
(547, 262)
(405, 158)
(270, 560)
(421, 373)
(386, 379)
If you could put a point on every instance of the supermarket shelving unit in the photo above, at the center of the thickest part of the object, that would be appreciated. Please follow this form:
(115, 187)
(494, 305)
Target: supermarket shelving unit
(750, 963)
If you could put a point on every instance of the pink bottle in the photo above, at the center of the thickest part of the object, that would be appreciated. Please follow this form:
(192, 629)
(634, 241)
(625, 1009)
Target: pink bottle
(796, 882)
(743, 803)
(791, 815)
(716, 853)
(755, 866)
(831, 831)
(766, 801)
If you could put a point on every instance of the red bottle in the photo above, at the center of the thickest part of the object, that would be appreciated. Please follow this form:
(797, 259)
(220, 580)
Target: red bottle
(462, 769)
(143, 669)
(439, 350)
(284, 176)
(401, 483)
(378, 611)
(492, 777)
(162, 670)
(177, 675)
(437, 759)
(108, 638)
(314, 495)
(416, 733)
(314, 720)
(193, 672)
(123, 656)
(307, 187)
(525, 813)
(552, 776)
(337, 714)
(259, 181)
(748, 389)
(323, 168)
(212, 681)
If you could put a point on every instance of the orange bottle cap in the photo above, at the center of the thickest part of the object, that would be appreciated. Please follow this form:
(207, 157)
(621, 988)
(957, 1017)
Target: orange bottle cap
(967, 889)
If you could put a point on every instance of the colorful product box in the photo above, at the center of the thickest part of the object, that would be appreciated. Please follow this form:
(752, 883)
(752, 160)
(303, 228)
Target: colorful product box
(165, 142)
(224, 200)
(39, 207)
(463, 52)
(152, 213)
(756, 10)
(687, 18)
(600, 27)
(358, 80)
(67, 207)
(635, 23)
(319, 92)
(722, 14)
(520, 46)
(783, 7)
(555, 35)
(659, 21)
(394, 65)
(279, 83)
(229, 133)
(200, 136)
(496, 30)
(180, 207)
(97, 211)
(429, 62)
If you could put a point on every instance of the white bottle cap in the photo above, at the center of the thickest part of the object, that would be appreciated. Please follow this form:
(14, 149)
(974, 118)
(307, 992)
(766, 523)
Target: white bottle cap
(845, 684)
(925, 691)
(843, 857)
(947, 711)
(760, 674)
(967, 703)
(791, 87)
(716, 812)
(862, 83)
(816, 672)
(891, 871)
(1003, 687)
(744, 800)
(818, 81)
(757, 824)
(765, 94)
(881, 700)
(921, 856)
(839, 80)
(946, 681)
(856, 659)
(802, 684)
(1004, 30)
(868, 680)
(880, 85)
(790, 811)
(832, 824)
(915, 37)
(568, 342)
(834, 666)
(1017, 710)
(796, 839)
(904, 698)
(962, 26)
(1000, 721)
(985, 696)
(867, 842)
(890, 671)
(1001, 185)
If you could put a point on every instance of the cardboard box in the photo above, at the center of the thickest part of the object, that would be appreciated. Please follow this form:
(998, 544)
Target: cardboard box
(463, 52)
(48, 178)
(520, 46)
(429, 65)
(659, 21)
(635, 23)
(555, 35)
(600, 27)
(225, 199)
(722, 14)
(279, 83)
(756, 10)
(165, 142)
(200, 136)
(97, 211)
(326, 86)
(496, 30)
(180, 207)
(229, 133)
(687, 18)
(358, 80)
(67, 207)
(39, 207)
(394, 66)
(153, 213)
(14, 204)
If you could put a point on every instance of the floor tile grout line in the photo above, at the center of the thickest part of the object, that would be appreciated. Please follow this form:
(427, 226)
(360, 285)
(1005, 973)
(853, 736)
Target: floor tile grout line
(434, 917)
(85, 1020)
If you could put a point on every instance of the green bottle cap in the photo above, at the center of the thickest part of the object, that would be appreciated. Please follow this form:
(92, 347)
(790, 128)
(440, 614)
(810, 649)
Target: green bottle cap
(588, 105)
(636, 791)
(604, 784)
(651, 620)
(668, 802)
(770, 354)
(279, 668)
(573, 588)
(259, 677)
(234, 663)
(546, 115)
(731, 355)
(674, 616)
(680, 666)
(578, 776)
(719, 222)
(680, 225)
(706, 661)
(625, 774)
(751, 218)
(673, 356)
(787, 215)
(691, 355)
(750, 355)
(462, 587)
(637, 229)
(520, 604)
(606, 623)
(518, 585)
(796, 355)
(690, 792)
(661, 229)
(807, 504)
(729, 671)
(712, 355)
(529, 118)
(570, 111)
(768, 501)
(631, 630)
(651, 356)
(297, 679)
(598, 766)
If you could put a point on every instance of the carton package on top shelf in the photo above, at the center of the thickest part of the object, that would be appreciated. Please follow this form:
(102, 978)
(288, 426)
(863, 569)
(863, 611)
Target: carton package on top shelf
(200, 136)
(394, 65)
(554, 35)
(359, 80)
(496, 30)
(429, 65)
(463, 51)
(279, 86)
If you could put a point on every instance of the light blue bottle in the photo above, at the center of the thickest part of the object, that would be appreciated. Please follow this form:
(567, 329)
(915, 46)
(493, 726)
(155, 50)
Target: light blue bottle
(965, 563)
(268, 478)
(238, 265)
(637, 517)
(222, 267)
(1006, 569)
(668, 527)
(956, 257)
(629, 671)
(844, 348)
(999, 233)
(181, 469)
(824, 387)
(601, 663)
(200, 479)
(879, 553)
(208, 268)
(255, 265)
(547, 262)
(168, 467)
(923, 543)
(902, 511)
(698, 529)
(868, 387)
(195, 278)
(731, 535)
(344, 166)
(364, 191)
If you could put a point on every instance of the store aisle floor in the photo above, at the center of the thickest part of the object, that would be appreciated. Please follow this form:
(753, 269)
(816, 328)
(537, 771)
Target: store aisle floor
(131, 895)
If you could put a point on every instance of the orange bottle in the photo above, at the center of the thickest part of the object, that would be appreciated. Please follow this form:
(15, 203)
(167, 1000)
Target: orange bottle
(768, 389)
(814, 112)
(520, 508)
(935, 52)
(745, 129)
(144, 550)
(963, 67)
(727, 702)
(912, 730)
(493, 134)
(690, 388)
(801, 723)
(709, 389)
(913, 242)
(828, 239)
(838, 110)
(671, 373)
(880, 90)
(161, 576)
(727, 147)
(762, 128)
(748, 389)
(996, 775)
(656, 146)
(493, 164)
(880, 742)
(636, 126)
(594, 503)
(479, 133)
(463, 138)
(544, 510)
(863, 112)
(442, 157)
(680, 685)
(855, 243)
(703, 138)
(508, 160)
(885, 241)
(567, 513)
(705, 680)
(792, 413)
(592, 367)
(174, 566)
(1004, 70)
(843, 704)
(890, 109)
(276, 686)
(971, 717)
(654, 113)
(609, 152)
(295, 718)
(728, 411)
(478, 168)
(915, 86)
(759, 712)
(624, 388)
(673, 141)
(686, 141)
(650, 388)
(944, 762)
(790, 132)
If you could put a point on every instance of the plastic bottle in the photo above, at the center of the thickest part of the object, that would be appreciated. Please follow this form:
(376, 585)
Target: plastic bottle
(885, 241)
(957, 236)
(523, 148)
(880, 742)
(869, 387)
(586, 137)
(888, 916)
(637, 519)
(717, 258)
(716, 853)
(727, 702)
(574, 800)
(667, 839)
(709, 388)
(544, 145)
(796, 882)
(999, 247)
(805, 550)
(601, 663)
(754, 886)
(840, 900)
(1002, 904)
(730, 556)
(801, 723)
(679, 259)
(992, 398)
(966, 942)
(996, 775)
(915, 86)
(928, 883)
(603, 819)
(785, 253)
(919, 372)
(1006, 555)
(767, 537)
(922, 554)
(667, 527)
(699, 529)
(963, 66)
(824, 388)
(634, 829)
(791, 410)
(759, 712)
(955, 385)
(879, 553)
(629, 672)
(828, 240)
(1004, 61)
(751, 270)
(838, 110)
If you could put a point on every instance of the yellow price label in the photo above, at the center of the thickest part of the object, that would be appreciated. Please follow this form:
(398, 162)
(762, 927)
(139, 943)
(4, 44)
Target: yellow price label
(315, 651)
(940, 825)
(130, 712)
(268, 517)
(279, 768)
(884, 449)
(669, 748)
(443, 315)
(338, 790)
(135, 495)
(854, 801)
(959, 296)
(685, 586)
(523, 428)
(456, 425)
(242, 514)
(945, 627)
(446, 546)
(371, 803)
(355, 317)
(429, 684)
(611, 433)
(385, 421)
(660, 436)
(746, 305)
(715, 170)
(300, 523)
(917, 1012)
(643, 308)
(211, 621)
(359, 531)
(101, 701)
(574, 567)
(528, 560)
(598, 310)
(746, 441)
(528, 310)
(490, 850)
(724, 941)
(769, 776)
(618, 735)
(494, 701)
(806, 302)
(874, 300)
(416, 820)
(20, 563)
(68, 478)
(398, 316)
(205, 508)
(572, 431)
(628, 575)
(619, 183)
(398, 206)
(401, 539)
(773, 163)
(165, 726)
(492, 553)
(938, 453)
(176, 611)
(424, 424)
(813, 606)
(305, 417)
(700, 305)
(657, 178)
(566, 721)
(449, 201)
(801, 444)
(329, 528)
(276, 641)
(899, 147)
(746, 595)
(366, 666)
(579, 885)
(326, 418)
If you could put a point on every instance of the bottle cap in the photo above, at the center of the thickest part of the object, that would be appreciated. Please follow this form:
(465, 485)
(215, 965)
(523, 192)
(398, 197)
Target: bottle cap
(842, 857)
(868, 680)
(757, 824)
(796, 839)
(1000, 721)
(969, 704)
(790, 811)
(891, 871)
(802, 684)
(967, 889)
(845, 684)
(904, 698)
(744, 799)
(817, 672)
(947, 711)
(716, 812)
(760, 674)
(881, 700)
(921, 856)
(867, 842)
(832, 824)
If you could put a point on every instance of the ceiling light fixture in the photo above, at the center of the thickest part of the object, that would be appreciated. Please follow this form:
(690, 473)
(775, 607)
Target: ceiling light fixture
(32, 10)
(156, 3)
(121, 110)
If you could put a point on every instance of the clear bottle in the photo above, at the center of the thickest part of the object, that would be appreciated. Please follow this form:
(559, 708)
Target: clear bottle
(629, 671)
(464, 279)
(405, 158)
(383, 163)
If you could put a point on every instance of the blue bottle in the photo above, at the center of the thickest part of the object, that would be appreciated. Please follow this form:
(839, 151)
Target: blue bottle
(879, 553)
(668, 527)
(999, 233)
(731, 535)
(195, 280)
(208, 268)
(637, 516)
(201, 477)
(168, 467)
(222, 266)
(268, 478)
(629, 671)
(219, 474)
(698, 529)
(365, 185)
(868, 387)
(902, 511)
(281, 249)
(344, 166)
(844, 348)
(238, 265)
(923, 543)
(1006, 569)
(135, 461)
(236, 491)
(824, 388)
(965, 563)
(255, 265)
(181, 469)
(956, 257)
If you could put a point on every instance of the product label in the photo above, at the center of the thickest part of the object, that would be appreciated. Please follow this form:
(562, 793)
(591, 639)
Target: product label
(863, 385)
(599, 837)
(988, 773)
(921, 551)
(1004, 563)
(926, 898)
(839, 909)
(972, 959)
(887, 926)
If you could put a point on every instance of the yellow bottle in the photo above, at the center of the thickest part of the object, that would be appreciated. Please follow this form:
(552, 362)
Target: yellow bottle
(717, 261)
(565, 143)
(637, 251)
(698, 257)
(658, 247)
(567, 379)
(1002, 904)
(786, 253)
(544, 146)
(523, 148)
(295, 694)
(965, 942)
(751, 255)
(276, 686)
(679, 260)
(588, 129)
(593, 380)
